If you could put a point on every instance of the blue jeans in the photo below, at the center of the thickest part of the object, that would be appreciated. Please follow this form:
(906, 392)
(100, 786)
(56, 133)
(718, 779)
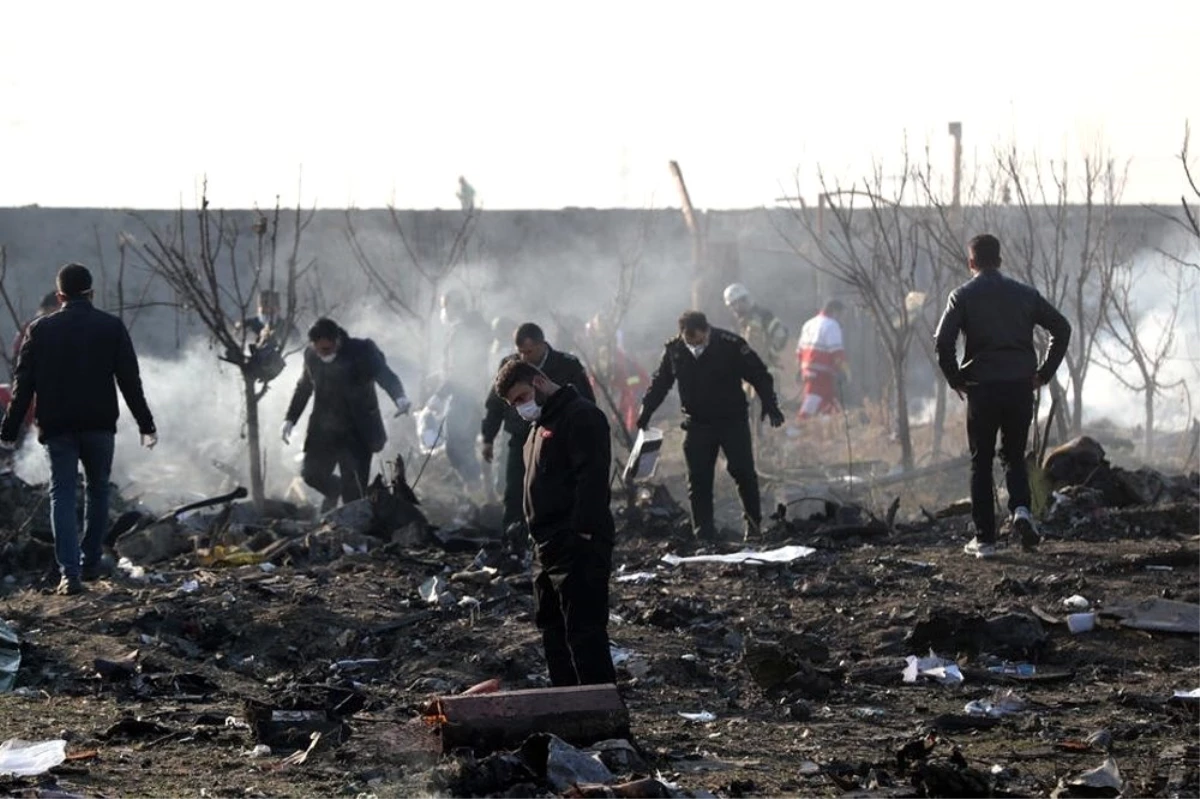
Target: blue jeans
(95, 450)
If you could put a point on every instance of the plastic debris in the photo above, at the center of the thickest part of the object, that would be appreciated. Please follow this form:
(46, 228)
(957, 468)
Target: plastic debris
(781, 555)
(190, 587)
(131, 571)
(1102, 781)
(640, 578)
(1188, 696)
(567, 766)
(1001, 704)
(262, 750)
(1081, 622)
(943, 671)
(1076, 603)
(703, 717)
(29, 758)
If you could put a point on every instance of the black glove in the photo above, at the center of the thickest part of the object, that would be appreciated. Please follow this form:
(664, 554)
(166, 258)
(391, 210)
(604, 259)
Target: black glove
(775, 415)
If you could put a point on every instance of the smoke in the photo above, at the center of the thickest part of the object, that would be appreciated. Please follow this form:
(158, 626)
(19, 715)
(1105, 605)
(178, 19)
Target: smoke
(1157, 284)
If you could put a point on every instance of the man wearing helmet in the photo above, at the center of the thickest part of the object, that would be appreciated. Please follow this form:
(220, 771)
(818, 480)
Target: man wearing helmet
(765, 334)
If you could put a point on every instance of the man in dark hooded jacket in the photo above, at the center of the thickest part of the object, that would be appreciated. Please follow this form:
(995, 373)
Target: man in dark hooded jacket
(345, 427)
(568, 455)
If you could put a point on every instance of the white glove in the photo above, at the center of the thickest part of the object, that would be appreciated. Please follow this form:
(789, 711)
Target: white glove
(403, 405)
(285, 432)
(149, 440)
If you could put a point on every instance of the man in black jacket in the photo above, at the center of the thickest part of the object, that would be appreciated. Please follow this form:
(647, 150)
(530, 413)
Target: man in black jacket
(69, 361)
(567, 460)
(710, 365)
(345, 428)
(562, 369)
(998, 377)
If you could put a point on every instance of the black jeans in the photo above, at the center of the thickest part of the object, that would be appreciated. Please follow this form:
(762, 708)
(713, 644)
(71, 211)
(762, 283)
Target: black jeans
(570, 598)
(701, 443)
(1007, 409)
(350, 457)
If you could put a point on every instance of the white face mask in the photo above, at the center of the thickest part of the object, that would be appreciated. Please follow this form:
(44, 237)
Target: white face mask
(696, 349)
(529, 411)
(330, 358)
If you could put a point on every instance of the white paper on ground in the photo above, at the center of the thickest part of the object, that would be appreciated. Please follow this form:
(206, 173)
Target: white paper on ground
(944, 671)
(703, 716)
(781, 555)
(30, 758)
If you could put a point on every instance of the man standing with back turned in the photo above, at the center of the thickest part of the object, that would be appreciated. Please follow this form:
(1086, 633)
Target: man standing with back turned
(998, 377)
(69, 360)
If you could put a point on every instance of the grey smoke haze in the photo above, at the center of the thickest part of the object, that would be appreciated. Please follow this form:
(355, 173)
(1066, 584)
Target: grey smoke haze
(197, 399)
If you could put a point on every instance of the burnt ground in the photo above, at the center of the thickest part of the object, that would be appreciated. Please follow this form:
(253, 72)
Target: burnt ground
(800, 663)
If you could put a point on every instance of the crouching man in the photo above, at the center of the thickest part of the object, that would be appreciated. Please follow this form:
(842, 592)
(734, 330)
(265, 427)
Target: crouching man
(567, 459)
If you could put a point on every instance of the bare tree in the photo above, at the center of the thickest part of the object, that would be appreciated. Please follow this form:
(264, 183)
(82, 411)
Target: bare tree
(947, 223)
(1189, 213)
(1070, 255)
(875, 250)
(14, 314)
(407, 283)
(217, 275)
(1141, 335)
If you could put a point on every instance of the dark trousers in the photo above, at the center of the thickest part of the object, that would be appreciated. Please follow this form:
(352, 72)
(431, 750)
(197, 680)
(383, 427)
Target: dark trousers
(1007, 409)
(701, 443)
(350, 457)
(95, 451)
(570, 598)
(514, 483)
(462, 427)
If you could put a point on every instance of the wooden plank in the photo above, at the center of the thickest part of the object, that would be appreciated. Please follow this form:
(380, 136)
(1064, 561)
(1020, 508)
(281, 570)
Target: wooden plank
(580, 715)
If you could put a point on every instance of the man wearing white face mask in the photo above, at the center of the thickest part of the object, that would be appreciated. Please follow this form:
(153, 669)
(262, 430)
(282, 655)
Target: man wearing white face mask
(568, 454)
(345, 428)
(710, 366)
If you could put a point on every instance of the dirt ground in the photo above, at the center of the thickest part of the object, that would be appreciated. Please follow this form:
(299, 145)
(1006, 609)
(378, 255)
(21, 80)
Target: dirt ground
(800, 663)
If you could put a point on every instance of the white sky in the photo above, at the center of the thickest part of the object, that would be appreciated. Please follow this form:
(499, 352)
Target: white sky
(550, 104)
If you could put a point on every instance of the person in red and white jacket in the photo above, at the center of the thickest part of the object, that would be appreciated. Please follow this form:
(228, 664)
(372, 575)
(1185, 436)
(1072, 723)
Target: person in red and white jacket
(822, 358)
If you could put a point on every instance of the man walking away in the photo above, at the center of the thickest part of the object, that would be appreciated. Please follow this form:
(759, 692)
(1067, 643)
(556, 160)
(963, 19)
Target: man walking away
(345, 428)
(560, 368)
(822, 361)
(568, 455)
(998, 377)
(72, 362)
(710, 365)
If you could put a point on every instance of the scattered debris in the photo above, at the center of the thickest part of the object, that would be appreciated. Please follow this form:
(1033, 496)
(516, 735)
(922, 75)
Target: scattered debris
(1105, 780)
(939, 669)
(1158, 615)
(702, 717)
(10, 657)
(1001, 704)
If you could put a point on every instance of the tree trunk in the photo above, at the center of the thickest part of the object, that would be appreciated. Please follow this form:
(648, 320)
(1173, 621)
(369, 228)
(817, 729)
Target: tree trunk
(902, 428)
(257, 490)
(1076, 405)
(1149, 445)
(1058, 394)
(939, 418)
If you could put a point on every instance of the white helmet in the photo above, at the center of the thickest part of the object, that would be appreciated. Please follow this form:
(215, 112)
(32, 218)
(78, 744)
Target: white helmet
(735, 292)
